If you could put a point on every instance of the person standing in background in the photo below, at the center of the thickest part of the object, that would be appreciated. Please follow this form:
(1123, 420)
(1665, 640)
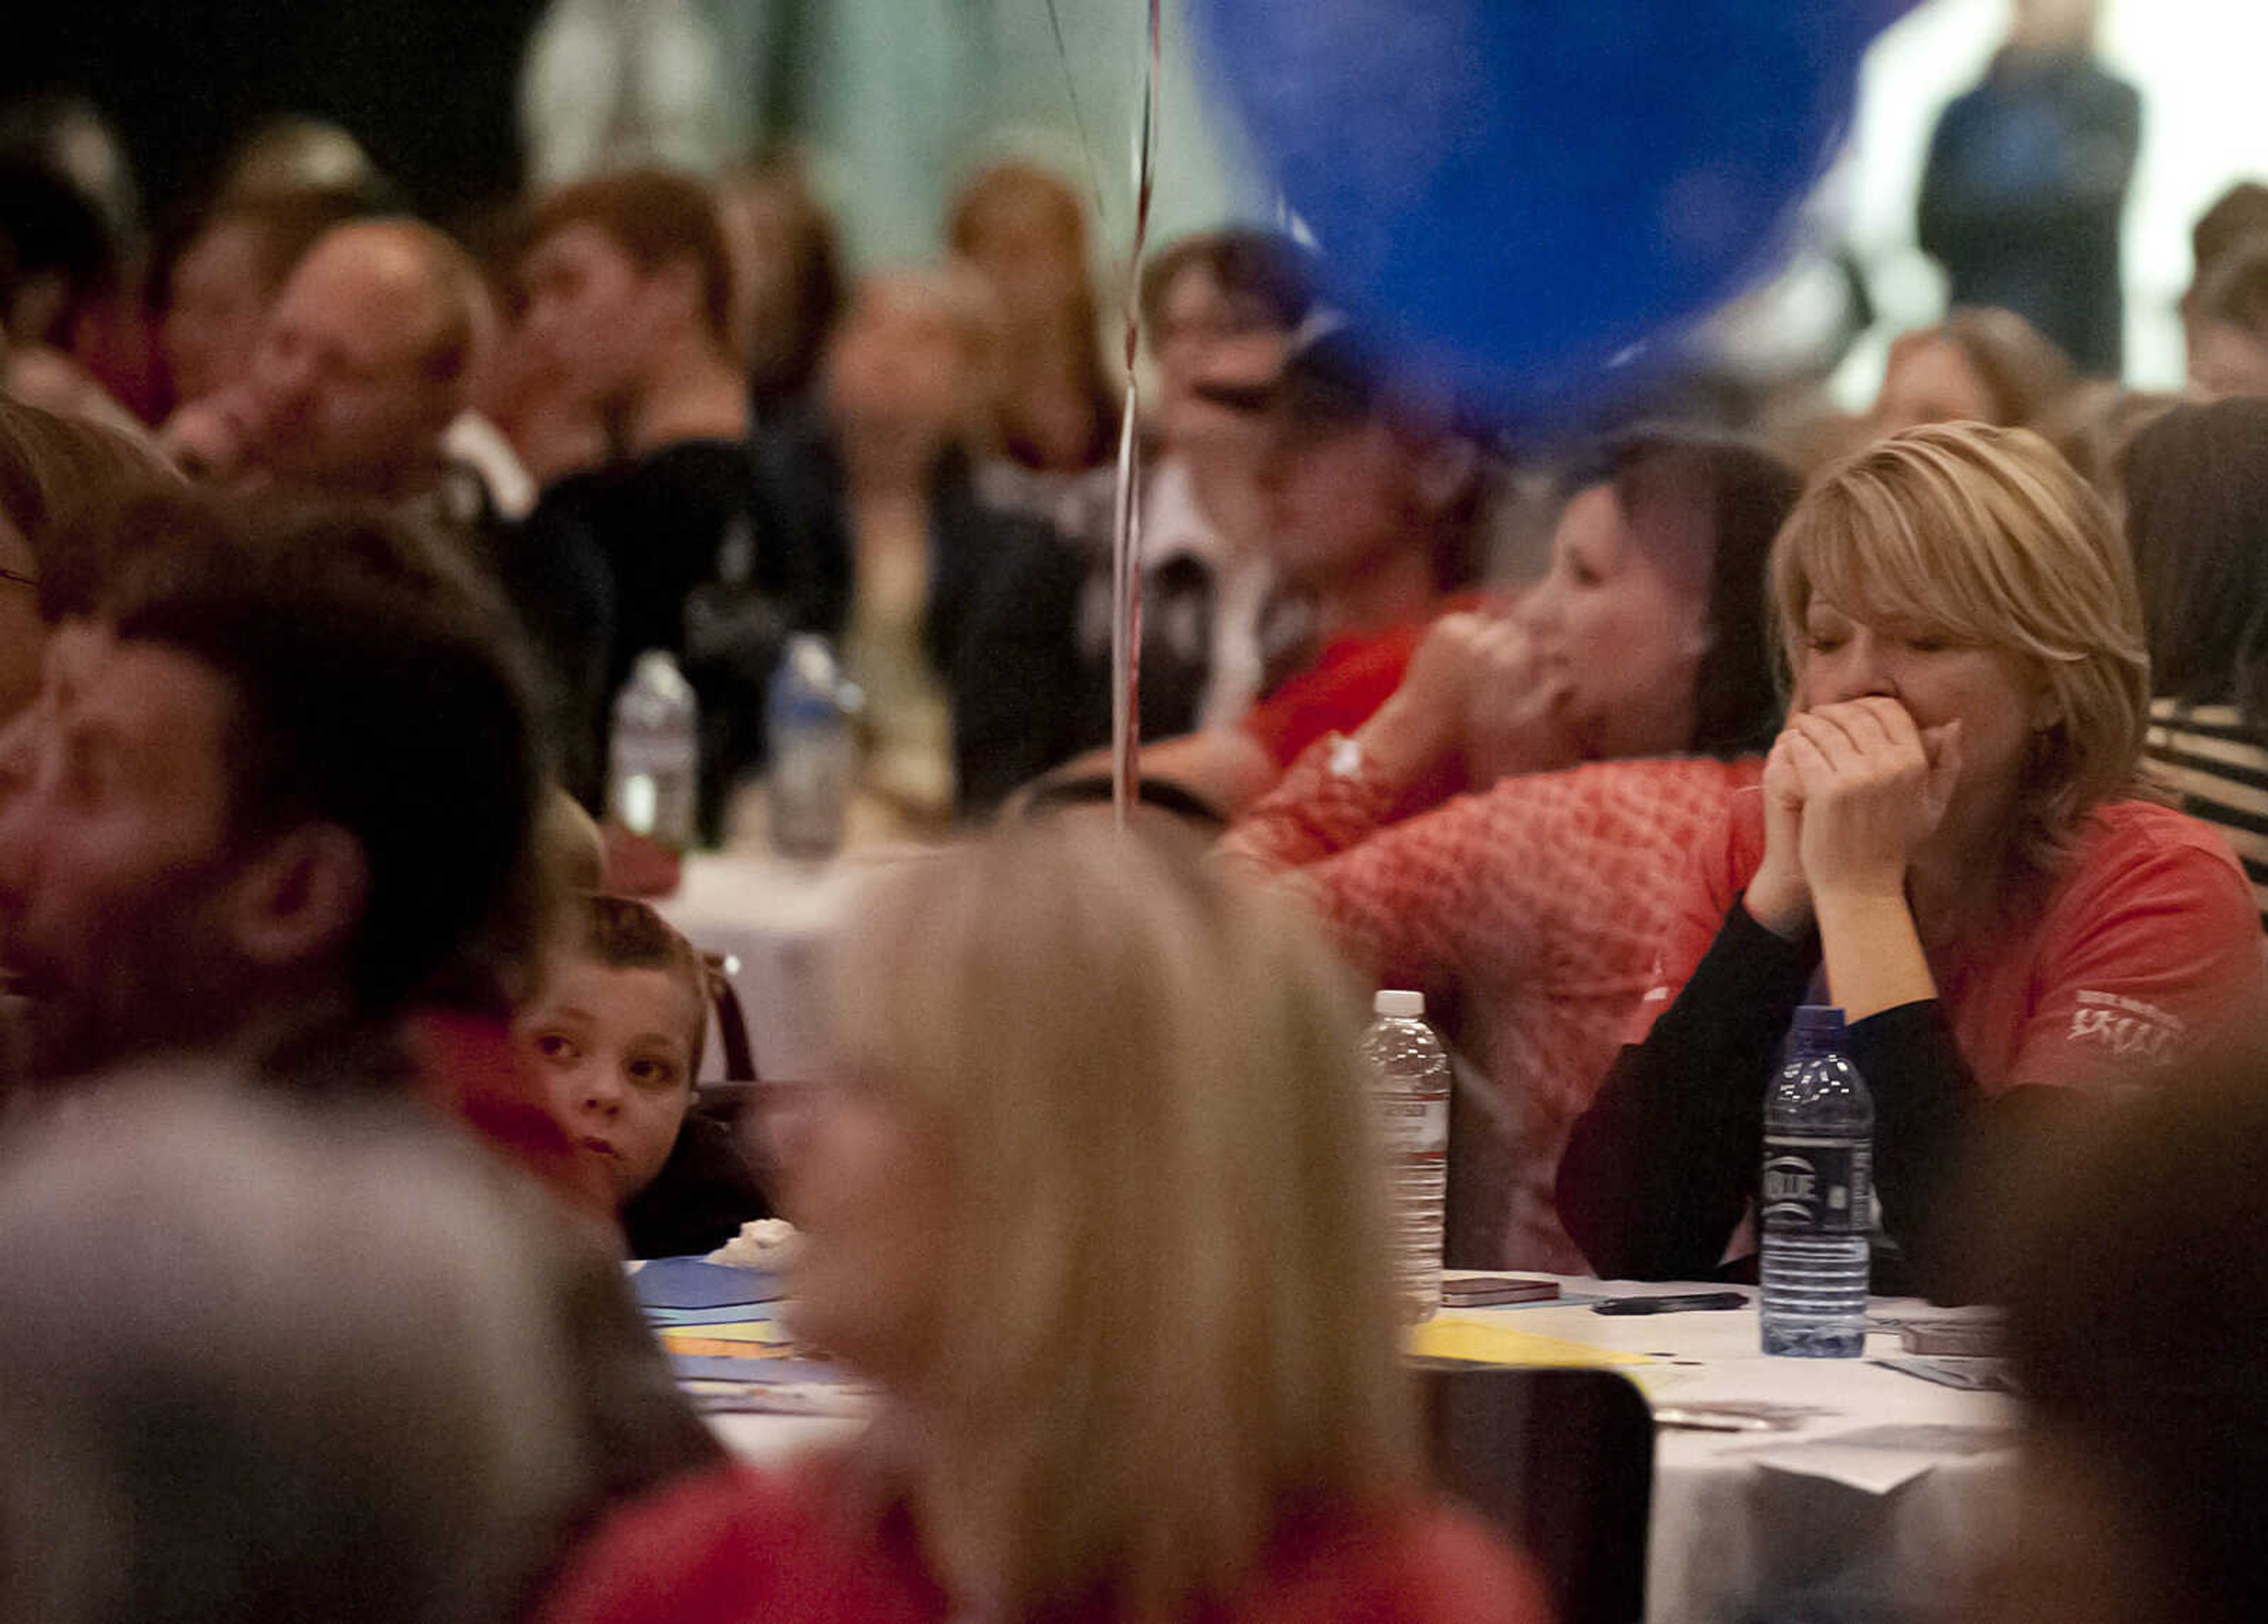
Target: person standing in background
(2027, 181)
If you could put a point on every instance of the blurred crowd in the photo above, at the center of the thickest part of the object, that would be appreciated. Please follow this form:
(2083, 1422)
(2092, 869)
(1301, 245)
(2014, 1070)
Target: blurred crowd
(328, 538)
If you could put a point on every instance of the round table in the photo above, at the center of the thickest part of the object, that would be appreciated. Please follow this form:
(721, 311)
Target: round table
(1874, 1506)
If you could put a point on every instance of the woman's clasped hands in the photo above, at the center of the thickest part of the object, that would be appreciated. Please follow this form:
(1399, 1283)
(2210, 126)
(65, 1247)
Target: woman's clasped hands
(1851, 792)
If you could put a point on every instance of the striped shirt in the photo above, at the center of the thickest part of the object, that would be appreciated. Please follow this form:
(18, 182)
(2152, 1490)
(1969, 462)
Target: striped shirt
(2218, 766)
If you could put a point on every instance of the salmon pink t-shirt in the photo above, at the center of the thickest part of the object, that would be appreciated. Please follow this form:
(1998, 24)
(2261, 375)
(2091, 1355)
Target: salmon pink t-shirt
(2145, 941)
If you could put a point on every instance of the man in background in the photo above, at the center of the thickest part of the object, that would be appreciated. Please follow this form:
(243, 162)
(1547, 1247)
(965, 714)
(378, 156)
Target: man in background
(360, 379)
(2026, 184)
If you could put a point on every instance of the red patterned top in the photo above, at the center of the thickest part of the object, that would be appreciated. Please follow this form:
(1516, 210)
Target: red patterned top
(1536, 909)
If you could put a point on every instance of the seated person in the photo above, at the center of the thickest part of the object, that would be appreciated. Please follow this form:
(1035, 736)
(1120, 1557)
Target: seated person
(956, 618)
(363, 363)
(1980, 365)
(1135, 1334)
(467, 1383)
(789, 287)
(1375, 501)
(625, 289)
(616, 1036)
(217, 289)
(1023, 229)
(1220, 310)
(60, 480)
(1529, 910)
(2135, 1289)
(2196, 488)
(276, 801)
(1951, 833)
(2224, 318)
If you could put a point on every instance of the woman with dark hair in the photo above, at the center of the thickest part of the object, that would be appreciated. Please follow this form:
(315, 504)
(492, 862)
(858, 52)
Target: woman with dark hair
(2196, 485)
(1530, 908)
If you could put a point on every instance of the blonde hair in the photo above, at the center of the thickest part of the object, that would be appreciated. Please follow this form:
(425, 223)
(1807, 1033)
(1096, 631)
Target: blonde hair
(1988, 536)
(1168, 1310)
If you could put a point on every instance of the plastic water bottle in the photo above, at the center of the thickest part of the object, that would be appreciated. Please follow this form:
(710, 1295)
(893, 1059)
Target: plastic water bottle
(807, 716)
(653, 763)
(1409, 1091)
(1817, 1203)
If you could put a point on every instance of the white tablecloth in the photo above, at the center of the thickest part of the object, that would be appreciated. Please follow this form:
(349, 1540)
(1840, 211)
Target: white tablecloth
(1750, 1526)
(1789, 1525)
(773, 918)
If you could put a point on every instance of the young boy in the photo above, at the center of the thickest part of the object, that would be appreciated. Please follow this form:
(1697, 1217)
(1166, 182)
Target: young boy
(616, 1036)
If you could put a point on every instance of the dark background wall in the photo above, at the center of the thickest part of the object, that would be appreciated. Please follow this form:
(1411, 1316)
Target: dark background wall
(429, 87)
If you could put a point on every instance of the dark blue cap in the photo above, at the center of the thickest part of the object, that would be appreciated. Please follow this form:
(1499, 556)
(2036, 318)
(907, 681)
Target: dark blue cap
(1818, 1029)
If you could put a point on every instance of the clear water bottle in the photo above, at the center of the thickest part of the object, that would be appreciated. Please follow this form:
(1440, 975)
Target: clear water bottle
(1409, 1091)
(1817, 1205)
(814, 756)
(653, 762)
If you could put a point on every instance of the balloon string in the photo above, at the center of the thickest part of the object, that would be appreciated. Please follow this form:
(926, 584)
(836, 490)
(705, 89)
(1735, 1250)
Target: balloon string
(1126, 538)
(1078, 114)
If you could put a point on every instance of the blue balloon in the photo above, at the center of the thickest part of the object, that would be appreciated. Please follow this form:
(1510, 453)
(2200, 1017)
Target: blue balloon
(1543, 193)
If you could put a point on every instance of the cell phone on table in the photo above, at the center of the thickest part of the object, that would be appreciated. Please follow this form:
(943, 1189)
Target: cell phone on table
(1475, 1288)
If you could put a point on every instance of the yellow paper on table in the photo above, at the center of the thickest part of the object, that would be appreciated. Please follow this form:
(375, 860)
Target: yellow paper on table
(711, 1348)
(1488, 1342)
(737, 1331)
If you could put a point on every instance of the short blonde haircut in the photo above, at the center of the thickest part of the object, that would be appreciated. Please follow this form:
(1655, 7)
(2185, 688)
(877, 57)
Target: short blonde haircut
(1988, 536)
(1169, 1311)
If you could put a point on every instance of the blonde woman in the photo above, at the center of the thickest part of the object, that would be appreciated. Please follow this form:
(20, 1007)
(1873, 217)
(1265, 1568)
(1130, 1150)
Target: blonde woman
(1949, 830)
(1089, 1197)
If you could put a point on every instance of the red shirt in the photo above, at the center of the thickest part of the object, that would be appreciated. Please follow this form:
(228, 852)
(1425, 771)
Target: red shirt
(1536, 908)
(469, 1069)
(2144, 941)
(737, 1546)
(1353, 675)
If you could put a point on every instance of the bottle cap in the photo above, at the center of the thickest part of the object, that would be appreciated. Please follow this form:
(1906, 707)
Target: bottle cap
(1818, 1026)
(1409, 1005)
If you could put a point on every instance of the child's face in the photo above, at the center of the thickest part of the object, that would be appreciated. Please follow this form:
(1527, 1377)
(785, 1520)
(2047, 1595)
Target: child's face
(615, 1050)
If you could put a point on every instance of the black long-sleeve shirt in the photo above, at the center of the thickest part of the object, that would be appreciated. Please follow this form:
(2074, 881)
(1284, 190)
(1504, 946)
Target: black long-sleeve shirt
(1660, 1170)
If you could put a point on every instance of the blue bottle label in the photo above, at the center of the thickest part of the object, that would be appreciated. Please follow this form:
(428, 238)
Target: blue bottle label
(1817, 1187)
